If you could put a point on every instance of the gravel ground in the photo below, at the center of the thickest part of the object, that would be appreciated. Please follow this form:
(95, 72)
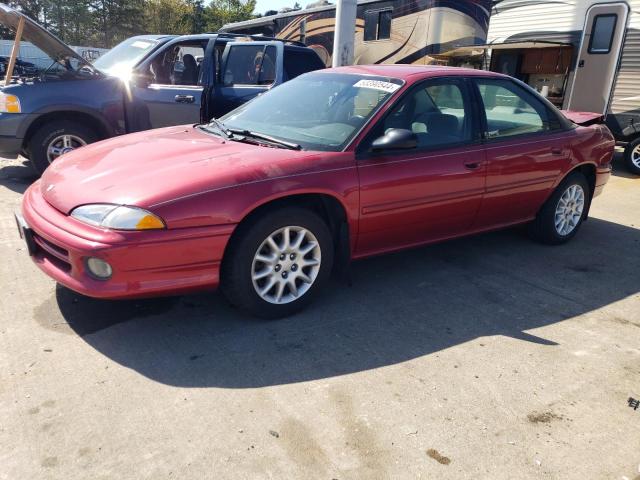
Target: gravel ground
(486, 357)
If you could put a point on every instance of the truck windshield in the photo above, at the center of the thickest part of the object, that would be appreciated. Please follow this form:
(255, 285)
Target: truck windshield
(123, 57)
(317, 111)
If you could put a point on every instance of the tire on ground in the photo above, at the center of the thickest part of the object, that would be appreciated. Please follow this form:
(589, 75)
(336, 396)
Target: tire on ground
(236, 272)
(632, 166)
(42, 138)
(543, 228)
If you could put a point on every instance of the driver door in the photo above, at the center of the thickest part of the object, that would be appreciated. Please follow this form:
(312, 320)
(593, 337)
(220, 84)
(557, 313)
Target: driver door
(414, 196)
(167, 89)
(248, 69)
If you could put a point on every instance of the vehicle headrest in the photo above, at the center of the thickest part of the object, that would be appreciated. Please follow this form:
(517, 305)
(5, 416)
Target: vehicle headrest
(189, 60)
(442, 123)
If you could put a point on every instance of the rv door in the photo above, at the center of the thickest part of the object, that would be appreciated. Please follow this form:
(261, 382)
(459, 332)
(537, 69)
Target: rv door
(602, 40)
(248, 69)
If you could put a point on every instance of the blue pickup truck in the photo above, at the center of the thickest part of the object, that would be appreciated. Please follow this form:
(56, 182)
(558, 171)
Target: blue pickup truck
(145, 82)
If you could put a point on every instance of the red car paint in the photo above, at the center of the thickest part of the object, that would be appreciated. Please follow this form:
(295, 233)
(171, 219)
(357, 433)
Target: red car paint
(203, 187)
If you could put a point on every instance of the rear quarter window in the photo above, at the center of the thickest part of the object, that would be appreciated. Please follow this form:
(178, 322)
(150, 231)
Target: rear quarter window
(297, 62)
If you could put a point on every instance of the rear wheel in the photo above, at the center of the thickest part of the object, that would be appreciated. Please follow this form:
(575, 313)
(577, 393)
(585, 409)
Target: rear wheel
(563, 213)
(56, 138)
(632, 156)
(276, 264)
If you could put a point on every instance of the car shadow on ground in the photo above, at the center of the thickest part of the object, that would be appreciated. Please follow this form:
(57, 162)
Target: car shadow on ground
(400, 307)
(17, 175)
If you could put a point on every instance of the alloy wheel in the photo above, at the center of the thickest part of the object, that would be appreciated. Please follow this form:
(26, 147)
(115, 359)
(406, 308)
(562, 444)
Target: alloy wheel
(286, 265)
(63, 144)
(569, 210)
(635, 156)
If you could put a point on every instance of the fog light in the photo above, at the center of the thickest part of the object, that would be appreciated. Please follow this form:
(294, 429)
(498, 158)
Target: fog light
(99, 268)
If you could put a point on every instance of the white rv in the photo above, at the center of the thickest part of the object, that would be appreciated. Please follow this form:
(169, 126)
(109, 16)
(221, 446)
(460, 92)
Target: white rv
(584, 55)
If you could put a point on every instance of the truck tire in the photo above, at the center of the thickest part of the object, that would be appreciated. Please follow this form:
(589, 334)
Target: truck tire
(632, 156)
(56, 138)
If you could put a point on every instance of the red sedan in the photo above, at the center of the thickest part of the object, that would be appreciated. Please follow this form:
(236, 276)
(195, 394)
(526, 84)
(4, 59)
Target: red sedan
(333, 166)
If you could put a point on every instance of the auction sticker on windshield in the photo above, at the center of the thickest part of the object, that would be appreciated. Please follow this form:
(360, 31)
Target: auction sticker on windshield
(378, 85)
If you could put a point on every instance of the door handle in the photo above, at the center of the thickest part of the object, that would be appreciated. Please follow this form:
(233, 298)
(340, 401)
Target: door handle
(473, 165)
(184, 98)
(557, 151)
(581, 64)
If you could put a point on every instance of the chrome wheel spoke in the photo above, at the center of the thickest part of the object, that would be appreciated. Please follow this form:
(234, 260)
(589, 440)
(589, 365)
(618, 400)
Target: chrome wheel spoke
(63, 144)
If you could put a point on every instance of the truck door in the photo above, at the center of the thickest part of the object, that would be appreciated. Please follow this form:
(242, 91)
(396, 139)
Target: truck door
(602, 40)
(167, 88)
(247, 70)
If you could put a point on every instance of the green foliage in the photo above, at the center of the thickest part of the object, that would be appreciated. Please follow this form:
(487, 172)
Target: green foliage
(104, 23)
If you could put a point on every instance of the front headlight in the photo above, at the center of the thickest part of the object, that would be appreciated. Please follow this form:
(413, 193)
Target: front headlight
(9, 103)
(117, 217)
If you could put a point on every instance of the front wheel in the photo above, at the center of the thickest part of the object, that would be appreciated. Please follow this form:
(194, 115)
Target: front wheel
(563, 213)
(632, 156)
(276, 264)
(56, 138)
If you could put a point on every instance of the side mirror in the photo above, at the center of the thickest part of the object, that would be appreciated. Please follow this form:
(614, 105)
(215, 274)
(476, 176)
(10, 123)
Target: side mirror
(395, 139)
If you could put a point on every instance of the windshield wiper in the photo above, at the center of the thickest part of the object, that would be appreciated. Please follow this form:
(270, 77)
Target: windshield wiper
(268, 138)
(226, 133)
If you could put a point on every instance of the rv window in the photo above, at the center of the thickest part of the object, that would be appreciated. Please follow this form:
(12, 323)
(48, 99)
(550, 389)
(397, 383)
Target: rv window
(604, 27)
(377, 24)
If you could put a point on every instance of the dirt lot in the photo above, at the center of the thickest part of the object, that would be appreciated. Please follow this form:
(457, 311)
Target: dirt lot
(488, 357)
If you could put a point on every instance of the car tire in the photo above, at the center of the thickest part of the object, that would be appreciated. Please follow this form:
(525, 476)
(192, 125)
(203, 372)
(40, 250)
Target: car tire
(63, 135)
(632, 156)
(252, 262)
(562, 214)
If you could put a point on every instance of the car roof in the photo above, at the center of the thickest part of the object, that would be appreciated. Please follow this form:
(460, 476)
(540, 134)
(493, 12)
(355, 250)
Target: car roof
(410, 72)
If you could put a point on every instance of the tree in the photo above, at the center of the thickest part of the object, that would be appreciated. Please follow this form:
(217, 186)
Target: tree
(221, 12)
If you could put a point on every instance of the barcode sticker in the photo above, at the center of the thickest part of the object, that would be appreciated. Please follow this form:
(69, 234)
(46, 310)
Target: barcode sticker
(378, 85)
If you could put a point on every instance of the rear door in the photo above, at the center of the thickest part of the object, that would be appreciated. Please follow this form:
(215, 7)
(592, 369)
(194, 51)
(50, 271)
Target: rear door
(602, 40)
(431, 192)
(527, 149)
(248, 69)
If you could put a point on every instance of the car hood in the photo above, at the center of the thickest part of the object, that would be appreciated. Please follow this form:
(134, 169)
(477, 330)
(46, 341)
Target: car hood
(162, 166)
(34, 33)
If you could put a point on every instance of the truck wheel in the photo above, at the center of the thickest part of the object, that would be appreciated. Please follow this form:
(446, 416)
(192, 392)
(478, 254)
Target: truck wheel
(57, 138)
(275, 265)
(562, 214)
(632, 156)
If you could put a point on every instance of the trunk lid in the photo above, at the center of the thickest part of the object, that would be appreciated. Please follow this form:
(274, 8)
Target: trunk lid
(583, 118)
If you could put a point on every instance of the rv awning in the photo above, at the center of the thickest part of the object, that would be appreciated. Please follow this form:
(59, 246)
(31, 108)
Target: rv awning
(471, 50)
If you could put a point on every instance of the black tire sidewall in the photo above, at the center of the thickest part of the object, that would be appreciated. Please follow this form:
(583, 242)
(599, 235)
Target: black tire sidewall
(628, 150)
(40, 141)
(236, 283)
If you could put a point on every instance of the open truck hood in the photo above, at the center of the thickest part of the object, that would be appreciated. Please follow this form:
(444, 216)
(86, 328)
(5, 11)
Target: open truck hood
(34, 33)
(583, 118)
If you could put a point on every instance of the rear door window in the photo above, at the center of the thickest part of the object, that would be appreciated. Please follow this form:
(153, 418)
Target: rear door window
(297, 62)
(511, 110)
(250, 65)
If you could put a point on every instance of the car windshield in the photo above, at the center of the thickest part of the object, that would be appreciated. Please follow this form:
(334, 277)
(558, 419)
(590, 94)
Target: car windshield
(318, 111)
(123, 57)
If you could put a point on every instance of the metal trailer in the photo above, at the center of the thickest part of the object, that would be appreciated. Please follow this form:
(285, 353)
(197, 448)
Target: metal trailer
(386, 31)
(584, 54)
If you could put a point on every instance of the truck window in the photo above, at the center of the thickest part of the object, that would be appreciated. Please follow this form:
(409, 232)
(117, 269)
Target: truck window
(297, 62)
(250, 65)
(179, 64)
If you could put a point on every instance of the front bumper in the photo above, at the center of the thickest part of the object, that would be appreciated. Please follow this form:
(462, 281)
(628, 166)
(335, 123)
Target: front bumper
(13, 127)
(150, 263)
